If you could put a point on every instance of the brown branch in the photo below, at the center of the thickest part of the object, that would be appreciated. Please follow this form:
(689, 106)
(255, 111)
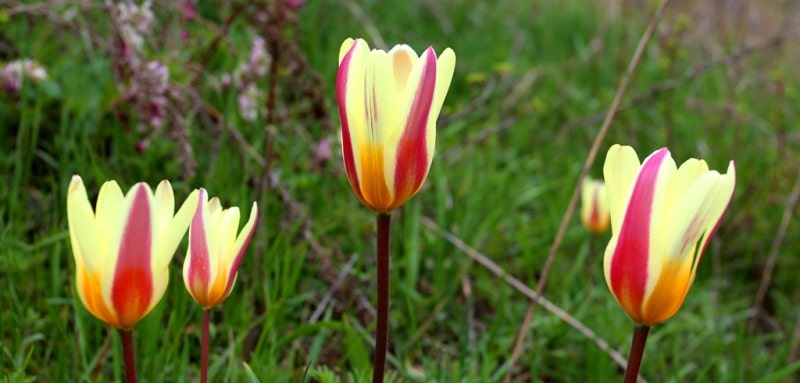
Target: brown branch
(795, 347)
(623, 85)
(766, 277)
(204, 55)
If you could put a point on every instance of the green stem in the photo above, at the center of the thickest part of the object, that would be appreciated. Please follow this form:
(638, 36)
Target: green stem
(204, 347)
(382, 328)
(128, 355)
(637, 351)
(589, 267)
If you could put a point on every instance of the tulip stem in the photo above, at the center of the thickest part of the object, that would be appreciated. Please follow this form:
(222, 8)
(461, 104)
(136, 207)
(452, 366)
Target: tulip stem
(204, 347)
(382, 328)
(590, 257)
(589, 267)
(637, 351)
(128, 355)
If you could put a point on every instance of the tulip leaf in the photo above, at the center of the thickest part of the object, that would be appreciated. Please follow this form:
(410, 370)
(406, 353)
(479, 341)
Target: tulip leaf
(250, 374)
(779, 375)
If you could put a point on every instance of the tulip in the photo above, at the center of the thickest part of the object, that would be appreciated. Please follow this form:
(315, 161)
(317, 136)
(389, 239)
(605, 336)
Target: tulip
(594, 206)
(215, 251)
(662, 219)
(388, 105)
(123, 248)
(213, 258)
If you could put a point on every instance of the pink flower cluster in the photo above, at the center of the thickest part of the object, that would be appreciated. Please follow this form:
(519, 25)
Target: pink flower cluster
(246, 77)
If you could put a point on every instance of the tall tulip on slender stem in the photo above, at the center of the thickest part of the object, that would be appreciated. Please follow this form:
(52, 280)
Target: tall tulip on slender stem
(388, 106)
(662, 219)
(213, 258)
(122, 251)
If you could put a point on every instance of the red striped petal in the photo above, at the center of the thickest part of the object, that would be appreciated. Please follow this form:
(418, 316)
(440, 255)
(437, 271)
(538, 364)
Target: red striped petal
(629, 263)
(342, 78)
(412, 156)
(199, 273)
(237, 260)
(132, 289)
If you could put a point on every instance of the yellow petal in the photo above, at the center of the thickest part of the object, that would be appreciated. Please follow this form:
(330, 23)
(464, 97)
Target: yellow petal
(82, 227)
(355, 99)
(85, 248)
(229, 224)
(346, 47)
(241, 242)
(619, 171)
(687, 174)
(445, 65)
(668, 292)
(247, 230)
(163, 208)
(169, 239)
(659, 224)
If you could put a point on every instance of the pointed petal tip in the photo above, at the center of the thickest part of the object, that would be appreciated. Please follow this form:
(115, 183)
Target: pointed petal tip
(254, 212)
(75, 184)
(447, 61)
(349, 45)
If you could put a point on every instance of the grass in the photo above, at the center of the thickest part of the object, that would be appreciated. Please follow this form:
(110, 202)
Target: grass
(532, 81)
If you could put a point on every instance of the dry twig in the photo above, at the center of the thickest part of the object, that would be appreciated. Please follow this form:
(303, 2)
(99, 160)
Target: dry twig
(766, 277)
(623, 85)
(533, 295)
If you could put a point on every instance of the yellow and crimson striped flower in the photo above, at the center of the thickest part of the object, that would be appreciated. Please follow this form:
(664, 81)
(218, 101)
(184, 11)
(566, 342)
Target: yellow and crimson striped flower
(388, 105)
(662, 219)
(123, 247)
(215, 251)
(594, 206)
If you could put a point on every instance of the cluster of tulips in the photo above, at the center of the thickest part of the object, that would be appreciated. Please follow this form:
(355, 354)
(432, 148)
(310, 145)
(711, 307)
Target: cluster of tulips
(662, 216)
(123, 248)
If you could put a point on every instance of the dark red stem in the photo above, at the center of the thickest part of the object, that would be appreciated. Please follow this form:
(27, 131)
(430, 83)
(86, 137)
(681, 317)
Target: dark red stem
(637, 351)
(204, 347)
(382, 328)
(128, 355)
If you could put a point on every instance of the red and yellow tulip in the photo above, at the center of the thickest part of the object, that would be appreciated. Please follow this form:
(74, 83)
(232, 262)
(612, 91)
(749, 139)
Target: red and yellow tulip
(662, 219)
(123, 247)
(388, 105)
(215, 250)
(594, 206)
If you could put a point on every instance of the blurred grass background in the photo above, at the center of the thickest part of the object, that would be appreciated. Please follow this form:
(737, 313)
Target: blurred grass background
(533, 81)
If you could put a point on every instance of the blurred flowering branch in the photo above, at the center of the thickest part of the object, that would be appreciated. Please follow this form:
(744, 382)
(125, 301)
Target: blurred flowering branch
(14, 72)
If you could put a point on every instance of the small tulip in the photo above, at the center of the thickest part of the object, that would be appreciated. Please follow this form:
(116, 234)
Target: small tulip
(123, 248)
(662, 219)
(215, 250)
(388, 105)
(594, 206)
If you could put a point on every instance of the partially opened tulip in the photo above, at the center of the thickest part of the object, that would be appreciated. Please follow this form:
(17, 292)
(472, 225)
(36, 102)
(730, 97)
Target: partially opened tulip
(594, 216)
(662, 219)
(213, 258)
(388, 106)
(594, 206)
(215, 250)
(122, 251)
